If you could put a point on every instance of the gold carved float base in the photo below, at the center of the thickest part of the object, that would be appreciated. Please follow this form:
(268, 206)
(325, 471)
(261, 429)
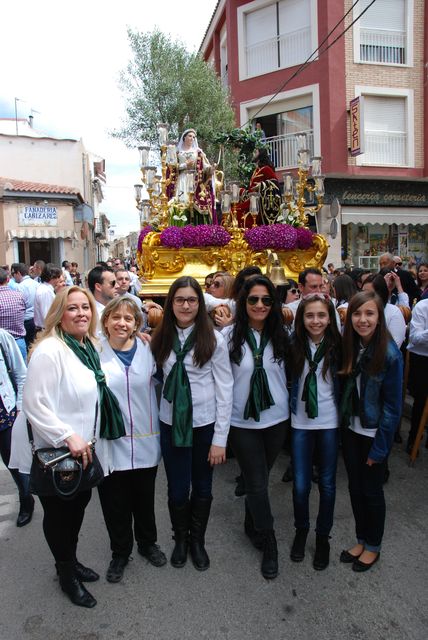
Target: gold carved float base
(159, 266)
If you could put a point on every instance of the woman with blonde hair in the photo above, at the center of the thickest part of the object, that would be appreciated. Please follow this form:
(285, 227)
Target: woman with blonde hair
(67, 402)
(127, 494)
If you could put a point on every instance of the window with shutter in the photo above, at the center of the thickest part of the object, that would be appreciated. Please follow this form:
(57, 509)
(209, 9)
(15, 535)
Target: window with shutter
(383, 32)
(385, 124)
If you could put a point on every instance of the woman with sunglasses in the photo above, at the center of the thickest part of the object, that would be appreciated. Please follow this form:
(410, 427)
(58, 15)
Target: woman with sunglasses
(195, 411)
(257, 345)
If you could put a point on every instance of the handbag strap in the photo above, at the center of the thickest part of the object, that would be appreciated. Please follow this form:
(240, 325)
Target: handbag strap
(8, 369)
(31, 437)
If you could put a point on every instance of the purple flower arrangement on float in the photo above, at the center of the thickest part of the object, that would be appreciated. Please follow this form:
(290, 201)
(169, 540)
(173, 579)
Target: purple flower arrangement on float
(280, 237)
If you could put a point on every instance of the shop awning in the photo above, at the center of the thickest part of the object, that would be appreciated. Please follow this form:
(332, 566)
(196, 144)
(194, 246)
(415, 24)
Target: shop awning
(40, 234)
(385, 215)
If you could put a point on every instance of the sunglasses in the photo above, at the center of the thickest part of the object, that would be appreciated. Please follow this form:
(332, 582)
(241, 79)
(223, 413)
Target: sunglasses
(112, 283)
(265, 300)
(216, 284)
(293, 291)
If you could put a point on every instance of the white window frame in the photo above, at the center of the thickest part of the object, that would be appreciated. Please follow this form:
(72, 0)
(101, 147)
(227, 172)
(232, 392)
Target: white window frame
(393, 92)
(242, 38)
(409, 38)
(311, 90)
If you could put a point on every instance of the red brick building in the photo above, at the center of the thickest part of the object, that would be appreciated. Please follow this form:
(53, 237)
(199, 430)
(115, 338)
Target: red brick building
(259, 48)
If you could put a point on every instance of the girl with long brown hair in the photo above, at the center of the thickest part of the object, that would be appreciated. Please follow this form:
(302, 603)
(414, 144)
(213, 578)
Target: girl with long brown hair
(370, 411)
(195, 411)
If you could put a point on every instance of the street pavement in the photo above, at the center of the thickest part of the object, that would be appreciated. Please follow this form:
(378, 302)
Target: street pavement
(230, 601)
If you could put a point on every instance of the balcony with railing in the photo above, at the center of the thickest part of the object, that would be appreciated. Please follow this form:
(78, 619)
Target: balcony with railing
(382, 46)
(386, 148)
(278, 52)
(283, 149)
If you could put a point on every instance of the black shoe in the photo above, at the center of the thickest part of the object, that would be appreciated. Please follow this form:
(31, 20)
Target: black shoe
(72, 586)
(297, 552)
(199, 516)
(153, 554)
(240, 486)
(322, 553)
(359, 566)
(116, 569)
(269, 566)
(26, 509)
(348, 558)
(85, 574)
(288, 475)
(180, 520)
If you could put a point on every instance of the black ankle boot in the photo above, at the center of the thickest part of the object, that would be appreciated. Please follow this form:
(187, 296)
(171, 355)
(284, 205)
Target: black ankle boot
(85, 574)
(180, 520)
(255, 536)
(322, 553)
(26, 508)
(199, 515)
(72, 586)
(297, 552)
(269, 566)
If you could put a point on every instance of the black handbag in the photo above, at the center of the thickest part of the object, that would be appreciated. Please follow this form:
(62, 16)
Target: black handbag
(54, 472)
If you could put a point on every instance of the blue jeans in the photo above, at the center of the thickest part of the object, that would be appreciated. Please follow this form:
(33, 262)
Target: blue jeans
(22, 347)
(324, 443)
(187, 466)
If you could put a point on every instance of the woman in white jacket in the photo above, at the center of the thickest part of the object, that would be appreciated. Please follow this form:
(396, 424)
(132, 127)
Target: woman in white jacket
(12, 378)
(64, 387)
(127, 494)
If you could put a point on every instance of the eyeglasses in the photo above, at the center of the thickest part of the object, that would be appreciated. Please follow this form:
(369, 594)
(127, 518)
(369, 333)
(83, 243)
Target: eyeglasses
(266, 300)
(398, 264)
(192, 301)
(216, 284)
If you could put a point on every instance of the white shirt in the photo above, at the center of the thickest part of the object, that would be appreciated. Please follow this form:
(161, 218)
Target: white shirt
(134, 388)
(242, 373)
(18, 369)
(395, 323)
(60, 396)
(43, 299)
(100, 308)
(28, 288)
(328, 417)
(418, 333)
(211, 387)
(211, 302)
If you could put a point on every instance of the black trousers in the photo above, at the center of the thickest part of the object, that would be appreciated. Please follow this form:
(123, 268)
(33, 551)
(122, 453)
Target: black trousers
(418, 373)
(365, 489)
(62, 521)
(128, 498)
(256, 451)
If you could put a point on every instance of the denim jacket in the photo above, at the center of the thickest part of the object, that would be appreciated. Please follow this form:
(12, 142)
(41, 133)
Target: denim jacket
(381, 402)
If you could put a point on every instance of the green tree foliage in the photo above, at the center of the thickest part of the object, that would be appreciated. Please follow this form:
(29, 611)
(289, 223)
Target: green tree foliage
(239, 146)
(163, 82)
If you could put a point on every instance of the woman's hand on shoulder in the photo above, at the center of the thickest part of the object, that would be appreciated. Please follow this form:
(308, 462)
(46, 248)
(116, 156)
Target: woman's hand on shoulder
(217, 455)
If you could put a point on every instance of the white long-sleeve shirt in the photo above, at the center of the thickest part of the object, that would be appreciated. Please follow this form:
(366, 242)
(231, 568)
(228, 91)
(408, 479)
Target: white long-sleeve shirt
(241, 386)
(134, 389)
(418, 333)
(43, 299)
(60, 396)
(395, 323)
(211, 388)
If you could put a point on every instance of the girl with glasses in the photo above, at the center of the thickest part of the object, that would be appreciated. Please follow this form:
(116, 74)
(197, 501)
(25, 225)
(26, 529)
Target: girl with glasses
(315, 357)
(257, 345)
(195, 409)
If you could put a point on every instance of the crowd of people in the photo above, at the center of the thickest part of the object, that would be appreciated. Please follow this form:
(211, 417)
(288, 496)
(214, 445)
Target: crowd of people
(236, 369)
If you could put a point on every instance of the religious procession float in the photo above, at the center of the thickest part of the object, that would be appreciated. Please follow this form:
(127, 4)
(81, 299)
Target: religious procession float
(195, 223)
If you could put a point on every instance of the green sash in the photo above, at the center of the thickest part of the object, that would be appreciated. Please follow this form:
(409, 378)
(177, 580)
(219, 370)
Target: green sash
(350, 401)
(260, 397)
(111, 420)
(177, 390)
(310, 387)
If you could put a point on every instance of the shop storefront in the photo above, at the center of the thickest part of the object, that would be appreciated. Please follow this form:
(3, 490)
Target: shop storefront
(380, 216)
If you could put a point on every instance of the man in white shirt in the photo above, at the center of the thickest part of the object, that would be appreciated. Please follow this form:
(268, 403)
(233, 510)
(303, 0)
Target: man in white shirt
(28, 287)
(123, 280)
(45, 293)
(66, 273)
(310, 281)
(102, 284)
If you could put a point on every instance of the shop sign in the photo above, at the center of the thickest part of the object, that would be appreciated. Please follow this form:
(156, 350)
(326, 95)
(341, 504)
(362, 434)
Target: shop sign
(37, 216)
(356, 114)
(377, 193)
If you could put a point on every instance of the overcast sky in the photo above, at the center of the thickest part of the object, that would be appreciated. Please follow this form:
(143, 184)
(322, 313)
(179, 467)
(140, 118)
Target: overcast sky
(63, 61)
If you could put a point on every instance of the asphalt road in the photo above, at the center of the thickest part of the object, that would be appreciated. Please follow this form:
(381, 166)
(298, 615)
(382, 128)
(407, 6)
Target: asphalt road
(230, 601)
